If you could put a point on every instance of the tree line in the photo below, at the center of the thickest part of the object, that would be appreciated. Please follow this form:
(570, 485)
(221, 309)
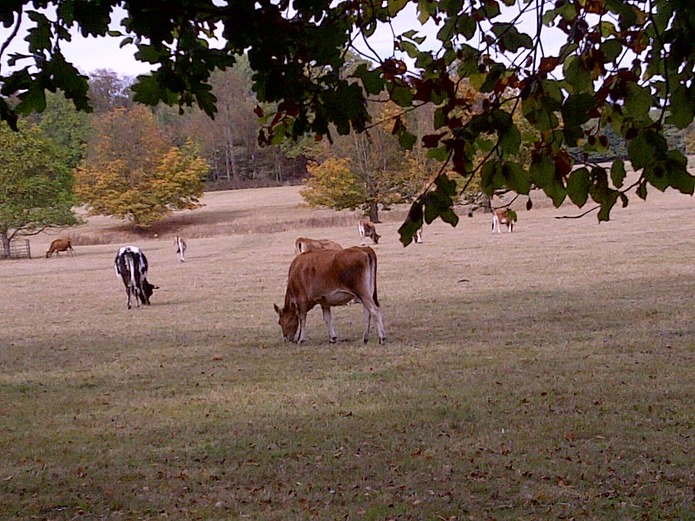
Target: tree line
(139, 164)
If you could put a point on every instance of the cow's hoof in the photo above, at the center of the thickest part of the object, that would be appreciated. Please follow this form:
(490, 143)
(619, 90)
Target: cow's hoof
(333, 339)
(382, 341)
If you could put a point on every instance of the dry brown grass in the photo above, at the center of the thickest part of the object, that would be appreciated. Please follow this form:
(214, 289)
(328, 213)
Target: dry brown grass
(544, 374)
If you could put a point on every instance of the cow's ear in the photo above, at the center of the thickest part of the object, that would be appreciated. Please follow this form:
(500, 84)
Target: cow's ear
(277, 309)
(155, 287)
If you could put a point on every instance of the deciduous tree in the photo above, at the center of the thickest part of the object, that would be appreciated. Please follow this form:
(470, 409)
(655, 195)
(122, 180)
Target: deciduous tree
(35, 186)
(367, 170)
(131, 171)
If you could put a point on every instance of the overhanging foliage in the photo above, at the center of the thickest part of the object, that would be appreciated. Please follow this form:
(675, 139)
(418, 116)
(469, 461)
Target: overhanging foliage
(626, 64)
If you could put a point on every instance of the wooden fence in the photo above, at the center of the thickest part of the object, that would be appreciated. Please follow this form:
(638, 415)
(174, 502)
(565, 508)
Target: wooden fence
(19, 249)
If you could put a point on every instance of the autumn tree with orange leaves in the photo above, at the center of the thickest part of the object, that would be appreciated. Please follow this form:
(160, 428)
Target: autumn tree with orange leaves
(132, 172)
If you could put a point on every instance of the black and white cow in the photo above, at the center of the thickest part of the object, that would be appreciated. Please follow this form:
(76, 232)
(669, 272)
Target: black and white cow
(131, 268)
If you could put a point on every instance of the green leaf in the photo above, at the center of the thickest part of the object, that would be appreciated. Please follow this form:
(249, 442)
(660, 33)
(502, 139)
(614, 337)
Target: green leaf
(510, 140)
(682, 107)
(149, 54)
(450, 217)
(493, 75)
(491, 177)
(544, 176)
(466, 26)
(575, 110)
(33, 99)
(618, 173)
(441, 154)
(670, 172)
(517, 179)
(611, 49)
(401, 95)
(372, 81)
(412, 223)
(542, 172)
(578, 186)
(395, 6)
(577, 75)
(39, 37)
(637, 102)
(445, 185)
(646, 147)
(406, 139)
(607, 204)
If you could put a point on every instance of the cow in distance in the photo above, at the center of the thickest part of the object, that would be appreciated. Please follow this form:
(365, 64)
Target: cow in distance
(501, 216)
(180, 247)
(59, 245)
(131, 267)
(303, 244)
(367, 229)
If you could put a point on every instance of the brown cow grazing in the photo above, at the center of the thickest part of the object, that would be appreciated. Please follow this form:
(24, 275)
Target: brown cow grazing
(330, 278)
(501, 216)
(59, 245)
(367, 229)
(303, 244)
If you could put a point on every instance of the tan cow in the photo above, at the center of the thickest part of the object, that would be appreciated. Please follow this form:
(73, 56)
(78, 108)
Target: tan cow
(501, 216)
(59, 245)
(367, 229)
(330, 278)
(303, 244)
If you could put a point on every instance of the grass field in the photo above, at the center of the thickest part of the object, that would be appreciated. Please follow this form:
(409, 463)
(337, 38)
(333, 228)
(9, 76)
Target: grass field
(543, 374)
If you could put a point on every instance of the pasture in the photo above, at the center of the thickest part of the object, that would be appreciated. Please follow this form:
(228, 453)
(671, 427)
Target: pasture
(543, 374)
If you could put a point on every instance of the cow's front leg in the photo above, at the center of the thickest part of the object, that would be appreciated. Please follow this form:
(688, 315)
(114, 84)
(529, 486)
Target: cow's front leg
(302, 328)
(127, 292)
(328, 318)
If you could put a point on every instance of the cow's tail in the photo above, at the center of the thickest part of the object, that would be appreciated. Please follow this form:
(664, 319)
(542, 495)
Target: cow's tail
(372, 274)
(133, 281)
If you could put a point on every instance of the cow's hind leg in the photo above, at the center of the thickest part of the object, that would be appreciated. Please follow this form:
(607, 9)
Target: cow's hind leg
(328, 318)
(372, 310)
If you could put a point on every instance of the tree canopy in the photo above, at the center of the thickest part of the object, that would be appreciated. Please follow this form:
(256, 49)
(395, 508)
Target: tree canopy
(626, 65)
(132, 172)
(367, 171)
(35, 185)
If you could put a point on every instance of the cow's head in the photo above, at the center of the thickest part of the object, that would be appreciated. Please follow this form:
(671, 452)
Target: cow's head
(288, 320)
(147, 289)
(376, 237)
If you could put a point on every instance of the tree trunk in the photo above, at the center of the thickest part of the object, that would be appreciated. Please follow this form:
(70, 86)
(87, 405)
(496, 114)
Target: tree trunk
(230, 166)
(374, 213)
(5, 252)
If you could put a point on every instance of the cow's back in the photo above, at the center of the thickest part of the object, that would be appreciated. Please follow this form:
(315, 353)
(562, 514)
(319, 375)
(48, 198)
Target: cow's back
(313, 273)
